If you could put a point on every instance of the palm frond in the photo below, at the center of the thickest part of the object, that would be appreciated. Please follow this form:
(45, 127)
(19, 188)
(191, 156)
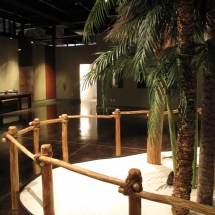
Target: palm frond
(150, 34)
(204, 16)
(204, 57)
(130, 15)
(97, 17)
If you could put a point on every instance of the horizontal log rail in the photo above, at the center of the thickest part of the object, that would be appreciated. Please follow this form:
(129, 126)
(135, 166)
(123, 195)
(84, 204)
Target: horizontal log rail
(66, 165)
(96, 116)
(92, 116)
(175, 201)
(82, 171)
(134, 112)
(49, 121)
(18, 145)
(147, 111)
(25, 130)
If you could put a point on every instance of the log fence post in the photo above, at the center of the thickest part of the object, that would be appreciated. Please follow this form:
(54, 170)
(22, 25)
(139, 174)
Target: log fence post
(14, 168)
(36, 143)
(117, 117)
(133, 185)
(47, 181)
(65, 152)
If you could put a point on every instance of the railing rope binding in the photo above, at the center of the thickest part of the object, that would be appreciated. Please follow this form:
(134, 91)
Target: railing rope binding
(133, 182)
(41, 163)
(35, 123)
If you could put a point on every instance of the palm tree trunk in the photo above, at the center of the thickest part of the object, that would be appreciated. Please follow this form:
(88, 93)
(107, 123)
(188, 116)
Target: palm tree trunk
(155, 128)
(206, 168)
(187, 123)
(206, 157)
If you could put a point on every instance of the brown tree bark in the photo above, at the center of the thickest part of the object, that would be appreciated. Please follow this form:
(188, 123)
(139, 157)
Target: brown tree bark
(206, 157)
(206, 168)
(186, 125)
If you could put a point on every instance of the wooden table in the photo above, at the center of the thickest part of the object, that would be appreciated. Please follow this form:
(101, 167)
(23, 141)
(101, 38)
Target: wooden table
(18, 96)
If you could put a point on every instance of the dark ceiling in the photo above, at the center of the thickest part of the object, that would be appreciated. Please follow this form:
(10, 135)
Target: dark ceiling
(51, 22)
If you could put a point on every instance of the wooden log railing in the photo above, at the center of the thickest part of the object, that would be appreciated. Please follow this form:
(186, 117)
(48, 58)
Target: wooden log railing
(64, 118)
(12, 135)
(132, 190)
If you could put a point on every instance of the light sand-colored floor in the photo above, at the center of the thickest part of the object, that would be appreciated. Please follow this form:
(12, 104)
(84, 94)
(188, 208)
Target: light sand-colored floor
(79, 195)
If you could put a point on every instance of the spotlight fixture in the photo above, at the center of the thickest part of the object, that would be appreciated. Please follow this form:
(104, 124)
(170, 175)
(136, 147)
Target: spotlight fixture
(32, 42)
(19, 50)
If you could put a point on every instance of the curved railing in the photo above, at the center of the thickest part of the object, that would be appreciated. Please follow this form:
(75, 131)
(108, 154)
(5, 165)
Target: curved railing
(131, 186)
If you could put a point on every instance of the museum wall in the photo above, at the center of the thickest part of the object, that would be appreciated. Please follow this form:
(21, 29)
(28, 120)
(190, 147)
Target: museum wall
(9, 67)
(39, 77)
(68, 60)
(37, 70)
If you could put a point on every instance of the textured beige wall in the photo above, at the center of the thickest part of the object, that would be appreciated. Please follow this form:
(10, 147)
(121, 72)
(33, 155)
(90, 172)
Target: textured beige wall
(9, 68)
(68, 60)
(39, 80)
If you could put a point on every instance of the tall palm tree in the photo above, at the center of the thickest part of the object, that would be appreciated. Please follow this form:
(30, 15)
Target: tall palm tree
(187, 123)
(137, 35)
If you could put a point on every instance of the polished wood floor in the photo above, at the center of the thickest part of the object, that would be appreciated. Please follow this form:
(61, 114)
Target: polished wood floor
(89, 139)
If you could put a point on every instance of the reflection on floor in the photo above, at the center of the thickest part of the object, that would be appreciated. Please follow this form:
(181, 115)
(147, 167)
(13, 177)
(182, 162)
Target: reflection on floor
(89, 139)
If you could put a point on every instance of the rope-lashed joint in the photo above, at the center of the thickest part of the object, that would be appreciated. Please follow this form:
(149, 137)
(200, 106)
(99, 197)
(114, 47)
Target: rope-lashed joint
(35, 123)
(64, 118)
(41, 163)
(133, 186)
(116, 113)
(13, 135)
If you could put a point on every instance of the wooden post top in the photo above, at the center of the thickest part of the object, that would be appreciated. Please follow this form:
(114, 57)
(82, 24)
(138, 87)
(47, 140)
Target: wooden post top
(64, 116)
(12, 130)
(134, 174)
(36, 123)
(133, 182)
(46, 149)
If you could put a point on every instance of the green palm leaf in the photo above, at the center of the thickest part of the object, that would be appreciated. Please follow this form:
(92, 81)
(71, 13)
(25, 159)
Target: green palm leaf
(97, 17)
